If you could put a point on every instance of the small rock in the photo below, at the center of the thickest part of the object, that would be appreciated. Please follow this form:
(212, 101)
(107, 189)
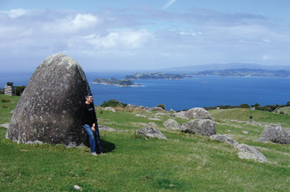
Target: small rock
(245, 132)
(76, 187)
(110, 109)
(151, 132)
(152, 124)
(139, 115)
(154, 119)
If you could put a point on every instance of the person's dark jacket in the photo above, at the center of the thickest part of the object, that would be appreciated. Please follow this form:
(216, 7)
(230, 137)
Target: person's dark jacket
(88, 114)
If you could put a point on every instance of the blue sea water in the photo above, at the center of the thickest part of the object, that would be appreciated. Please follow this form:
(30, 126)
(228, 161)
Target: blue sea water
(203, 91)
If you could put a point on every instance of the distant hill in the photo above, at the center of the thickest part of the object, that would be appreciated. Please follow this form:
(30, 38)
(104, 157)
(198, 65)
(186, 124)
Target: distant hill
(195, 68)
(246, 73)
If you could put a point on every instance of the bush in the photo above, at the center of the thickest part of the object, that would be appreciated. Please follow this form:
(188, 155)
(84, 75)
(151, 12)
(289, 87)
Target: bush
(162, 106)
(288, 103)
(113, 103)
(19, 90)
(1, 91)
(3, 100)
(244, 106)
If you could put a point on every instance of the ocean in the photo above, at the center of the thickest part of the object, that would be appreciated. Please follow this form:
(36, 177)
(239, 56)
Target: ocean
(203, 91)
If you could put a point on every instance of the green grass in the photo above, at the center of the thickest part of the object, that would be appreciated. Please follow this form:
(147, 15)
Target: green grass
(184, 162)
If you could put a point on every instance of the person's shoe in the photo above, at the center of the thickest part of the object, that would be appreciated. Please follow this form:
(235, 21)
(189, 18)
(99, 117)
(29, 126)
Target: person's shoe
(94, 154)
(102, 154)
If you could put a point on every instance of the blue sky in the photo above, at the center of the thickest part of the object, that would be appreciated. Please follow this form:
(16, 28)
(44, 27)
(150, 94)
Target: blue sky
(143, 35)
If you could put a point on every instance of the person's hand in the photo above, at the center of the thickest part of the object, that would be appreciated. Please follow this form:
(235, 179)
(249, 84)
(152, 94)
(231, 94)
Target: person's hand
(93, 129)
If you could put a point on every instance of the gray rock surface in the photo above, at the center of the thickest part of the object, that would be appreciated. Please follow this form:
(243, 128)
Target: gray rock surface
(245, 151)
(5, 125)
(151, 132)
(110, 109)
(274, 133)
(181, 115)
(197, 113)
(203, 127)
(49, 109)
(250, 152)
(172, 124)
(225, 138)
(105, 128)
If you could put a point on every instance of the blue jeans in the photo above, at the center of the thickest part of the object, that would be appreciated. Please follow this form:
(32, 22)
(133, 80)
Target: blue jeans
(93, 139)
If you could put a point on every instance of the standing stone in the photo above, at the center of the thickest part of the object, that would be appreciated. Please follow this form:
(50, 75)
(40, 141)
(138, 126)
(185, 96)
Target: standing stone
(203, 127)
(49, 108)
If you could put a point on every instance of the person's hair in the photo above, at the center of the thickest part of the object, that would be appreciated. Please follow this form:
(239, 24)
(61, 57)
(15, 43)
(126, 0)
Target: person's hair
(87, 96)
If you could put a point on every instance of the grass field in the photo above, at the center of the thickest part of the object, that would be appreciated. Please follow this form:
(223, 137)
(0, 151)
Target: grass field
(184, 162)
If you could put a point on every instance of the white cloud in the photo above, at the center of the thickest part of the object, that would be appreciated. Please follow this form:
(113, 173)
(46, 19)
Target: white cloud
(16, 13)
(123, 39)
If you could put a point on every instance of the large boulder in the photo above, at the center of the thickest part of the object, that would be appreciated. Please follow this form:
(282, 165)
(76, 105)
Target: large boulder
(150, 132)
(250, 152)
(197, 113)
(49, 108)
(203, 127)
(172, 124)
(274, 133)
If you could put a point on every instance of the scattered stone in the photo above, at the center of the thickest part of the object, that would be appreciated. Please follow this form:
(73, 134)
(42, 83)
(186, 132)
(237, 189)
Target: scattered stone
(139, 115)
(150, 132)
(246, 151)
(171, 110)
(181, 115)
(154, 119)
(172, 124)
(157, 109)
(245, 132)
(225, 138)
(110, 109)
(5, 125)
(203, 127)
(49, 109)
(76, 187)
(250, 152)
(198, 113)
(274, 133)
(152, 124)
(105, 128)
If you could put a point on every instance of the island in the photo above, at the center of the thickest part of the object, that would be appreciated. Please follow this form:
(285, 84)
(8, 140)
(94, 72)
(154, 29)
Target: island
(157, 76)
(113, 81)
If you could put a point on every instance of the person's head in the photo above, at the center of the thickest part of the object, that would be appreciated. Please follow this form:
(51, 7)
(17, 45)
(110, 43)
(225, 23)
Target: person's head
(89, 98)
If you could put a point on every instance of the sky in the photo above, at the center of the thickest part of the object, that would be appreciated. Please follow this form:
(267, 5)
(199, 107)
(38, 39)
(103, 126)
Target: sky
(120, 35)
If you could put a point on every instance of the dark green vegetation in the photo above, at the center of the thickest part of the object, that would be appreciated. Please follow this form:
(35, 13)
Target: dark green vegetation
(113, 81)
(156, 76)
(184, 162)
(113, 103)
(246, 72)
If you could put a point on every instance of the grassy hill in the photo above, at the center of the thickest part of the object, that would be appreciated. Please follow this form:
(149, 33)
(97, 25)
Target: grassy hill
(184, 162)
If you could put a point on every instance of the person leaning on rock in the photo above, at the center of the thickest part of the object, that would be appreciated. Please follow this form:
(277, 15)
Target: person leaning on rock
(90, 124)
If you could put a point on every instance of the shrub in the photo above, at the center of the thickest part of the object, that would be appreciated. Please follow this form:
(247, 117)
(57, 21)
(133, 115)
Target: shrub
(244, 106)
(3, 100)
(1, 91)
(162, 106)
(5, 106)
(113, 103)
